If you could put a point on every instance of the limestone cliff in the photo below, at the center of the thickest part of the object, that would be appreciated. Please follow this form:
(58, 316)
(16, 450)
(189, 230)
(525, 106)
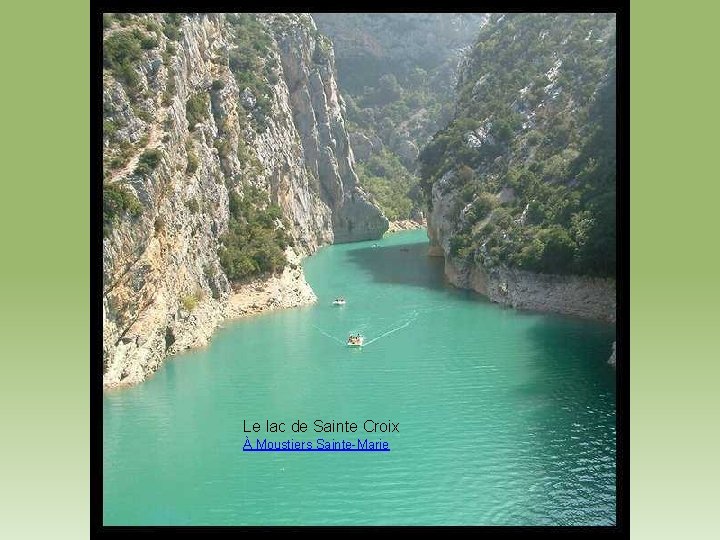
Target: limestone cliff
(521, 184)
(196, 108)
(589, 297)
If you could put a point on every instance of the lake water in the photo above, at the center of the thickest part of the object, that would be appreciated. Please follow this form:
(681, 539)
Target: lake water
(504, 417)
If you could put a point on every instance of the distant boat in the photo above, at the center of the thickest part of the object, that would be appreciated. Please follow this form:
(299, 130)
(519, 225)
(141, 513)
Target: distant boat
(339, 302)
(355, 340)
(374, 245)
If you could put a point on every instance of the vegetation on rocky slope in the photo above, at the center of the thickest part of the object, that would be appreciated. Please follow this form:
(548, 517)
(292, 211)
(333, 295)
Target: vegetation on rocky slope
(256, 237)
(530, 154)
(396, 75)
(251, 66)
(117, 201)
(392, 185)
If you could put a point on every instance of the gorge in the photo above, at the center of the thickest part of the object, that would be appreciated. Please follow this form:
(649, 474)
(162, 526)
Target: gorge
(521, 183)
(228, 158)
(505, 417)
(440, 186)
(198, 108)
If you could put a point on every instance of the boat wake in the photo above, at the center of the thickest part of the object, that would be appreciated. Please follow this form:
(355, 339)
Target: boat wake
(393, 330)
(328, 335)
(405, 324)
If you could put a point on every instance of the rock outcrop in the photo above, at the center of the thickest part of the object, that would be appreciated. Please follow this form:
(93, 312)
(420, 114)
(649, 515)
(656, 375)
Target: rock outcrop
(406, 225)
(581, 296)
(185, 127)
(362, 146)
(520, 185)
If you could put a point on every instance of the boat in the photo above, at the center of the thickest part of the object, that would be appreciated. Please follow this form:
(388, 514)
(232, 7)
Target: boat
(339, 302)
(355, 340)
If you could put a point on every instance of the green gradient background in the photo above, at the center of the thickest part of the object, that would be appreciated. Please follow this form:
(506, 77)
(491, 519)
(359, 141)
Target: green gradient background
(44, 321)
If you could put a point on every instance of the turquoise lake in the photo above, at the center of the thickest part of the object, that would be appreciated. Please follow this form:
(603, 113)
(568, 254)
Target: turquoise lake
(505, 417)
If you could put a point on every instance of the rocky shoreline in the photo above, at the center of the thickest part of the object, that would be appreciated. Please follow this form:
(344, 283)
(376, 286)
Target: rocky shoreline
(405, 225)
(192, 136)
(579, 296)
(285, 290)
(195, 330)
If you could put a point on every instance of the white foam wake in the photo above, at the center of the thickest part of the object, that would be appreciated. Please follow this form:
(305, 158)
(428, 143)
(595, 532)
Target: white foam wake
(393, 330)
(328, 335)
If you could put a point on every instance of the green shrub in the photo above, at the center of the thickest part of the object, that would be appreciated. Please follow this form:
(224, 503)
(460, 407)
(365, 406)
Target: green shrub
(169, 89)
(121, 51)
(223, 147)
(193, 206)
(110, 127)
(148, 162)
(559, 250)
(531, 254)
(148, 42)
(118, 201)
(460, 245)
(192, 159)
(252, 244)
(124, 153)
(481, 207)
(243, 154)
(196, 109)
(390, 183)
(465, 174)
(142, 114)
(190, 301)
(209, 272)
(171, 26)
(122, 18)
(218, 84)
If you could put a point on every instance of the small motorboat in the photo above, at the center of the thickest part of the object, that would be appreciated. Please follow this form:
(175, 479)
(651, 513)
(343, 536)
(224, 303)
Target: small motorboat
(339, 302)
(355, 340)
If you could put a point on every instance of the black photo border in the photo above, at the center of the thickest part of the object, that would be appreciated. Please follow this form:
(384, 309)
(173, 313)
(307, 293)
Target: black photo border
(622, 10)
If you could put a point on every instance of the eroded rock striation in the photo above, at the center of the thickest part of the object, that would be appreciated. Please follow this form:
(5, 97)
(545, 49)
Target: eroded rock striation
(198, 108)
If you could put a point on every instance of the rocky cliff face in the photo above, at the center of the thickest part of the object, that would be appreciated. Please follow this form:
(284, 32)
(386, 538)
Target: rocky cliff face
(521, 184)
(192, 114)
(582, 296)
(396, 73)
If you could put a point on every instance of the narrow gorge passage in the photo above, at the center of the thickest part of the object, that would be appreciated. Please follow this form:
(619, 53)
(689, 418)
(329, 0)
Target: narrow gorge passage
(505, 417)
(257, 168)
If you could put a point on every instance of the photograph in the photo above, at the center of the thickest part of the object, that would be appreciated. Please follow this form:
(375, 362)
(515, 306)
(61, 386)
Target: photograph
(360, 269)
